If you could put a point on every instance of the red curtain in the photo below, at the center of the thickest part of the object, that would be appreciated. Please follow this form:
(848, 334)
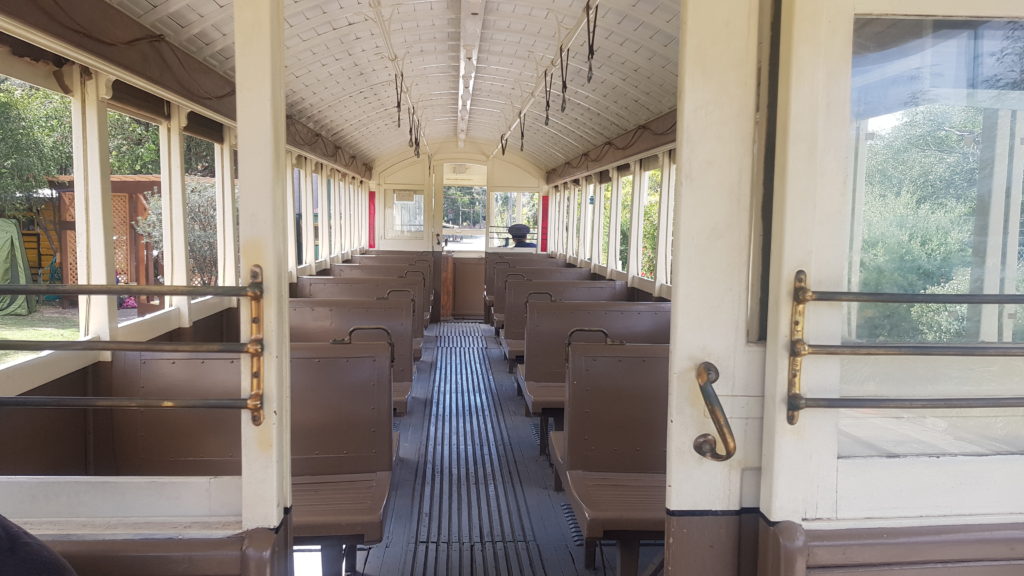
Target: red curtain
(372, 241)
(544, 223)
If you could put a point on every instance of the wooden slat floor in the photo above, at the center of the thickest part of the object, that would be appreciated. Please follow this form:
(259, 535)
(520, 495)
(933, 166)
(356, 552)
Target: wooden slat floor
(471, 495)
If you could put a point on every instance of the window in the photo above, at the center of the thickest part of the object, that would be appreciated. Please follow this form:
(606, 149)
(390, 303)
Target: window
(316, 216)
(141, 245)
(606, 216)
(578, 217)
(650, 198)
(510, 208)
(588, 218)
(935, 208)
(403, 219)
(297, 179)
(625, 179)
(201, 212)
(37, 208)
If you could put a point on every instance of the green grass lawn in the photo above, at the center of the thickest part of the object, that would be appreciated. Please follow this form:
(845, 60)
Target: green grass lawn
(48, 322)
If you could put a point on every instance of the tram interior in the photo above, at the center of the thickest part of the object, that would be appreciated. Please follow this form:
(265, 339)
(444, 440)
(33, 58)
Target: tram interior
(274, 319)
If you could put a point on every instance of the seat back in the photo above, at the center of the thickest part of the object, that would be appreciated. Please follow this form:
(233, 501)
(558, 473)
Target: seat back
(548, 325)
(616, 410)
(502, 276)
(519, 291)
(326, 319)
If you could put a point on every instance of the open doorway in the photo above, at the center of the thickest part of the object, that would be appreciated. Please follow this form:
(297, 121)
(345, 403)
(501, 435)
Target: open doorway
(464, 207)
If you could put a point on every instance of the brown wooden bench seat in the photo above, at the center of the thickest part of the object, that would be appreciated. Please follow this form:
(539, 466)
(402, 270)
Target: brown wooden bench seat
(519, 292)
(510, 259)
(502, 276)
(403, 259)
(341, 445)
(616, 426)
(252, 553)
(326, 319)
(421, 271)
(371, 288)
(548, 324)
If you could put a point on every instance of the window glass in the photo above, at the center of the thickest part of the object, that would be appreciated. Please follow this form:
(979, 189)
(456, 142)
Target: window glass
(588, 219)
(514, 208)
(625, 220)
(935, 209)
(297, 179)
(37, 211)
(606, 221)
(201, 215)
(404, 216)
(316, 216)
(578, 216)
(330, 221)
(566, 219)
(140, 246)
(651, 189)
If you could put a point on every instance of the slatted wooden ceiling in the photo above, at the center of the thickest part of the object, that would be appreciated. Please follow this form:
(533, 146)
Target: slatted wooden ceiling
(340, 80)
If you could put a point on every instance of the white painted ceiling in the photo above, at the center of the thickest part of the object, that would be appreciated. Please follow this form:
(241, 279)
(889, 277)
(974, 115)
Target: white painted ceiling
(341, 80)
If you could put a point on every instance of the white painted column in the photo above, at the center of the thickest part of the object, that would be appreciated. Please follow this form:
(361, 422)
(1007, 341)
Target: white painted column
(172, 198)
(291, 163)
(710, 288)
(989, 217)
(665, 218)
(810, 230)
(1011, 237)
(259, 74)
(94, 230)
(227, 258)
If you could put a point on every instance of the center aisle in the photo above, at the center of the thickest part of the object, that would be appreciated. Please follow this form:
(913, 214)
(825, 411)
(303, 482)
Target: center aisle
(472, 510)
(471, 496)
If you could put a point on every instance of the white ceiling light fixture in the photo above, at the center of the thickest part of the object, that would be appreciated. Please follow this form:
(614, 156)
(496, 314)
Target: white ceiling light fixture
(472, 14)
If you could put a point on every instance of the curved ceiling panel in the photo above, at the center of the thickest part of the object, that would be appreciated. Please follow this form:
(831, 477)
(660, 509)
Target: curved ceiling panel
(469, 67)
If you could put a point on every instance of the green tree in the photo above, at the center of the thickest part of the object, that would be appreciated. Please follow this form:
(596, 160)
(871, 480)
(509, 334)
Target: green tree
(25, 156)
(200, 231)
(649, 234)
(625, 219)
(921, 184)
(134, 145)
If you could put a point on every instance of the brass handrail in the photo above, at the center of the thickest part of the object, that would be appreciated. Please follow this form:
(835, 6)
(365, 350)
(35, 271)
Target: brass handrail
(707, 445)
(254, 347)
(799, 348)
(249, 291)
(120, 402)
(354, 329)
(799, 402)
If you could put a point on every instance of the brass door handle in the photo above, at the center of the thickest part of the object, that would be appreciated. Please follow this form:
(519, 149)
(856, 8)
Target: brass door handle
(706, 444)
